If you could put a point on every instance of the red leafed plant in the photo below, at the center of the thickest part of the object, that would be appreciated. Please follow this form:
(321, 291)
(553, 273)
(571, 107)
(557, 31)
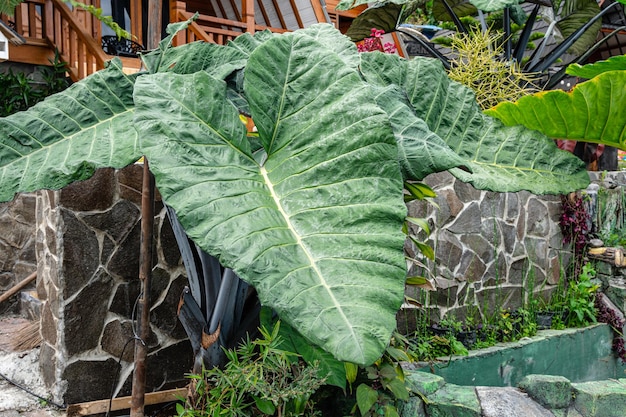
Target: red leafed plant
(375, 43)
(575, 225)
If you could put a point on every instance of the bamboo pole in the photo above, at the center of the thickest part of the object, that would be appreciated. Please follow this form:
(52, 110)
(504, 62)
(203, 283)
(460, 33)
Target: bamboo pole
(147, 224)
(145, 272)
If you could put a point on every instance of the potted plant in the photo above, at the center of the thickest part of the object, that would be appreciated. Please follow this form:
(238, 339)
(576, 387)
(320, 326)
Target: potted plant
(463, 332)
(544, 319)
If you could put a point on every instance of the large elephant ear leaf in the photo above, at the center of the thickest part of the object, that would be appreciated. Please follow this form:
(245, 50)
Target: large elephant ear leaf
(575, 14)
(614, 63)
(420, 151)
(315, 227)
(461, 8)
(66, 137)
(493, 5)
(379, 17)
(215, 59)
(350, 4)
(328, 36)
(593, 111)
(496, 157)
(247, 43)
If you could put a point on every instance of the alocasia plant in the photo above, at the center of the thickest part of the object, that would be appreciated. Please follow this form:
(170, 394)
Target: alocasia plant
(310, 212)
(594, 111)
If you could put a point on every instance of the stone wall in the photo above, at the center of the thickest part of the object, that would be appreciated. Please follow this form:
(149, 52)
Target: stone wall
(17, 244)
(492, 249)
(88, 237)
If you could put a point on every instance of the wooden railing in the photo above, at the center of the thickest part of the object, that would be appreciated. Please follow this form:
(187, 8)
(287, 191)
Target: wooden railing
(69, 35)
(212, 29)
(51, 24)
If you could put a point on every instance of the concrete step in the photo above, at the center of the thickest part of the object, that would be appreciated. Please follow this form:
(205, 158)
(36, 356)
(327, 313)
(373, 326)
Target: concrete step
(509, 402)
(550, 391)
(600, 398)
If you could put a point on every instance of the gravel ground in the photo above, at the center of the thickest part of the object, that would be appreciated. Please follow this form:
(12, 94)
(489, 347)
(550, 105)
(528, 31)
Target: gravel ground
(22, 368)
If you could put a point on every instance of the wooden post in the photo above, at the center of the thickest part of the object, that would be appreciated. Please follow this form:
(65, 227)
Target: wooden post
(247, 11)
(155, 15)
(147, 223)
(145, 272)
(177, 12)
(49, 21)
(136, 20)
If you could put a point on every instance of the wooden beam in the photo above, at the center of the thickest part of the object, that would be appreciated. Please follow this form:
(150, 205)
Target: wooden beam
(236, 10)
(280, 15)
(123, 403)
(264, 13)
(32, 54)
(320, 14)
(296, 13)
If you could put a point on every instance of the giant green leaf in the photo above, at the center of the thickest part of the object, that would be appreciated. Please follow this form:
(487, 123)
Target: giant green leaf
(575, 14)
(461, 8)
(332, 40)
(420, 151)
(202, 56)
(382, 17)
(350, 4)
(493, 5)
(497, 158)
(67, 136)
(614, 63)
(8, 6)
(594, 111)
(315, 222)
(247, 43)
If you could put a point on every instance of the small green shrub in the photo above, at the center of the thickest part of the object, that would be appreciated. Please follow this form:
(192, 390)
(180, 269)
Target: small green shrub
(259, 379)
(18, 93)
(580, 299)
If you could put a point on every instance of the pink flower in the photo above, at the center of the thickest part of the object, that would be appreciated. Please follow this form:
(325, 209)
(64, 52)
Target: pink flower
(377, 33)
(389, 48)
(374, 43)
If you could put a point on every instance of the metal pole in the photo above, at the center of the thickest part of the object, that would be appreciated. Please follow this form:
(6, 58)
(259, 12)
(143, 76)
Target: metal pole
(145, 272)
(147, 225)
(507, 33)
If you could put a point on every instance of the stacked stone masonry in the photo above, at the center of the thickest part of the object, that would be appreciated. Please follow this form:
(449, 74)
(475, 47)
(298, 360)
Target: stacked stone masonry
(492, 249)
(17, 244)
(88, 237)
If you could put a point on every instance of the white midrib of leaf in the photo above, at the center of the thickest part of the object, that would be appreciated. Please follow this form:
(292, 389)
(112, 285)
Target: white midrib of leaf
(306, 251)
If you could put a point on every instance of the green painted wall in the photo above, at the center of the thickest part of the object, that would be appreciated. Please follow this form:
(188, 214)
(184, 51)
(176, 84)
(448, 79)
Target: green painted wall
(580, 355)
